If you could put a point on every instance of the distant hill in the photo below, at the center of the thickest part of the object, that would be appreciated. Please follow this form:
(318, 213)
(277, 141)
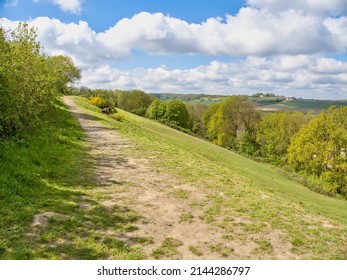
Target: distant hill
(303, 105)
(192, 98)
(266, 102)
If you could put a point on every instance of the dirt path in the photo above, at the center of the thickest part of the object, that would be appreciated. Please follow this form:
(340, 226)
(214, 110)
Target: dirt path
(170, 226)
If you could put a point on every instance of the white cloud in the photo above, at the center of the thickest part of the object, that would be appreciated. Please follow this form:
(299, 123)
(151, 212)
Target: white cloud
(77, 40)
(250, 32)
(11, 3)
(72, 6)
(278, 52)
(305, 76)
(330, 7)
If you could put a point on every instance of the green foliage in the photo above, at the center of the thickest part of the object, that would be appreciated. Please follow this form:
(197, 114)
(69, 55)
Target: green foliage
(118, 117)
(65, 72)
(232, 119)
(196, 124)
(261, 94)
(99, 102)
(134, 101)
(211, 110)
(275, 131)
(171, 112)
(176, 113)
(157, 110)
(29, 80)
(319, 148)
(187, 97)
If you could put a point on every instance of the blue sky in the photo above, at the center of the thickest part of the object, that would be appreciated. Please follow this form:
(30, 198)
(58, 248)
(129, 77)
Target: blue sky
(104, 14)
(295, 48)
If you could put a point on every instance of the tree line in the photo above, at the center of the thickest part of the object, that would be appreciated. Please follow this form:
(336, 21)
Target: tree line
(30, 80)
(311, 144)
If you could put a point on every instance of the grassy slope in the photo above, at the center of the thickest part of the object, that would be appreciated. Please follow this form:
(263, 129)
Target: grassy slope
(50, 171)
(314, 225)
(306, 105)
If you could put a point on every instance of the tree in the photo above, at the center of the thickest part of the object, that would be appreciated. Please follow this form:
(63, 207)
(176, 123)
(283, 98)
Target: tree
(176, 113)
(170, 112)
(65, 71)
(275, 131)
(157, 110)
(134, 101)
(234, 118)
(320, 147)
(28, 81)
(196, 112)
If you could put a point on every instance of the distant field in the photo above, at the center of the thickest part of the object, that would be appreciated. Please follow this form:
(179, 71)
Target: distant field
(208, 100)
(192, 98)
(265, 101)
(267, 104)
(303, 105)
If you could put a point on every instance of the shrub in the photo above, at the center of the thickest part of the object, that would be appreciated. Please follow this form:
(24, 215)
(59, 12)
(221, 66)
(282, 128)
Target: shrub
(118, 117)
(99, 102)
(29, 80)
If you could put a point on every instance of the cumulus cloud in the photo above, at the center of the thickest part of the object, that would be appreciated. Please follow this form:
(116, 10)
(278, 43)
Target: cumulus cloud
(250, 32)
(305, 76)
(77, 40)
(72, 6)
(330, 7)
(278, 52)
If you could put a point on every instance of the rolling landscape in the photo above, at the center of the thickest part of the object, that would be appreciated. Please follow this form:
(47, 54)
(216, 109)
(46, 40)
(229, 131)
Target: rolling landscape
(263, 103)
(137, 189)
(157, 134)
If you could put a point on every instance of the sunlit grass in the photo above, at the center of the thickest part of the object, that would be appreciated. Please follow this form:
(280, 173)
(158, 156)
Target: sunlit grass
(312, 225)
(50, 171)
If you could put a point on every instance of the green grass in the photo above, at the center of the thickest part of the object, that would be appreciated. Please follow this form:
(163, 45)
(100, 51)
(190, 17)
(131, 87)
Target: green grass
(265, 246)
(308, 105)
(187, 217)
(314, 225)
(180, 193)
(221, 249)
(196, 251)
(50, 171)
(168, 249)
(313, 104)
(264, 101)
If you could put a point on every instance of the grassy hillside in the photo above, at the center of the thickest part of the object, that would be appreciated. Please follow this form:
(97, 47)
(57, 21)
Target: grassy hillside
(304, 105)
(265, 101)
(45, 178)
(51, 208)
(249, 200)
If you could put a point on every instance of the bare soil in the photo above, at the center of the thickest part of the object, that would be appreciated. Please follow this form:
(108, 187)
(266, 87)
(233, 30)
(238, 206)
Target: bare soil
(168, 207)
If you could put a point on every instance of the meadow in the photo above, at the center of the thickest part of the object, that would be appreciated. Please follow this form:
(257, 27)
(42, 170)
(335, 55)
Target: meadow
(52, 204)
(314, 225)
